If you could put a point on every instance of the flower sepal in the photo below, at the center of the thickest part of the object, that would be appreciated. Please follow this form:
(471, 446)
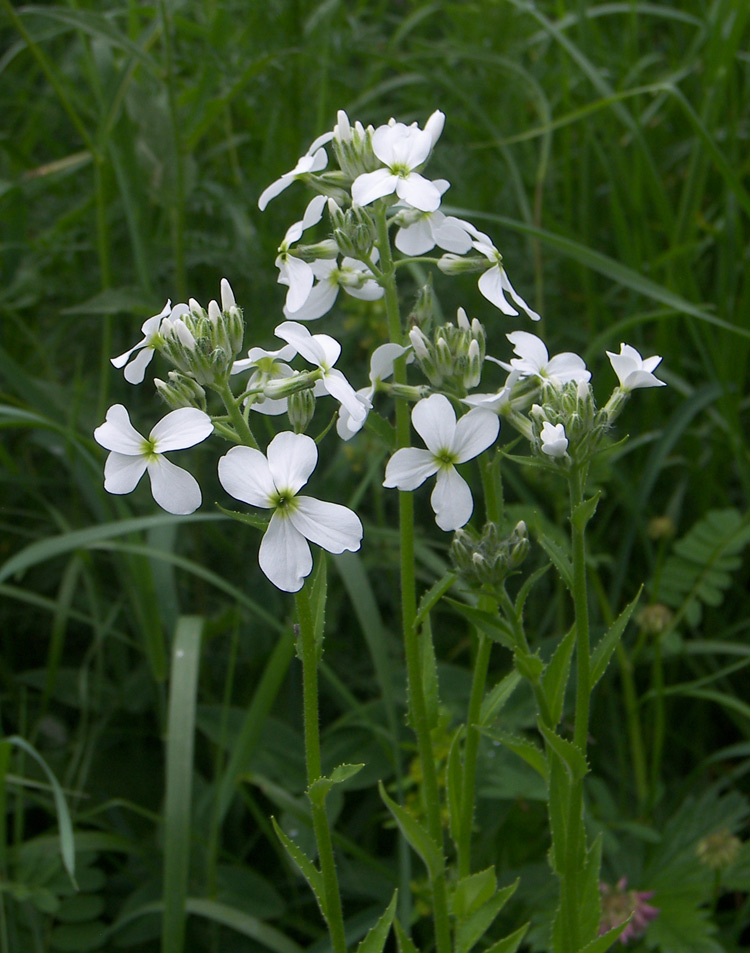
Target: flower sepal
(257, 520)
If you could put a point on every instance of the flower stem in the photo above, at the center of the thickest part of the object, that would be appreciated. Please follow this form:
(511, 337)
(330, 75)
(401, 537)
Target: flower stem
(241, 426)
(321, 829)
(580, 604)
(417, 706)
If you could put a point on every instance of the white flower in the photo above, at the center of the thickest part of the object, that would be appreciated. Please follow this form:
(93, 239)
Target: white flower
(273, 482)
(421, 231)
(632, 370)
(351, 275)
(494, 402)
(402, 149)
(135, 370)
(323, 351)
(174, 489)
(314, 160)
(534, 361)
(294, 272)
(381, 367)
(554, 441)
(494, 283)
(448, 443)
(266, 366)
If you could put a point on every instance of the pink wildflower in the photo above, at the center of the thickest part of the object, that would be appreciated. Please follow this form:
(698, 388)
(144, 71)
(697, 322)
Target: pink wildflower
(619, 903)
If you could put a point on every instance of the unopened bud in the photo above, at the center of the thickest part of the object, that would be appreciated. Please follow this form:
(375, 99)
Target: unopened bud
(181, 391)
(300, 409)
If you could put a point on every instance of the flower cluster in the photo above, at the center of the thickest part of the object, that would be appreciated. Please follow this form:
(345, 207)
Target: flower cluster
(375, 211)
(619, 904)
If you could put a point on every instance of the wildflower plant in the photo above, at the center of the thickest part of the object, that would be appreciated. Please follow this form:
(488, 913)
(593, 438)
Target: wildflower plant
(375, 213)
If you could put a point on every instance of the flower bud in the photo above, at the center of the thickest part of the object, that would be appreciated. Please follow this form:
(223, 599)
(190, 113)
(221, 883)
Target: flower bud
(301, 409)
(286, 386)
(181, 391)
(719, 849)
(486, 559)
(451, 264)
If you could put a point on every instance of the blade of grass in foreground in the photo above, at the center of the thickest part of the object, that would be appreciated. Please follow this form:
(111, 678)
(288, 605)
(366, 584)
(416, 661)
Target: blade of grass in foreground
(179, 756)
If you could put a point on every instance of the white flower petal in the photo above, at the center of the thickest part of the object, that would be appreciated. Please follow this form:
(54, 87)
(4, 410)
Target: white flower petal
(284, 555)
(451, 236)
(373, 185)
(434, 420)
(419, 192)
(292, 457)
(339, 388)
(408, 468)
(517, 297)
(383, 359)
(319, 302)
(568, 366)
(334, 527)
(417, 239)
(491, 286)
(530, 349)
(298, 275)
(174, 489)
(180, 429)
(118, 434)
(475, 432)
(451, 500)
(136, 369)
(554, 441)
(122, 472)
(245, 475)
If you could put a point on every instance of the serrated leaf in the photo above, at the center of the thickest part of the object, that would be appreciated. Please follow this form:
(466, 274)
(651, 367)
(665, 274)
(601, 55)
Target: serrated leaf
(583, 511)
(602, 943)
(429, 672)
(403, 940)
(433, 595)
(510, 943)
(556, 674)
(570, 755)
(454, 785)
(472, 892)
(525, 749)
(494, 627)
(375, 939)
(559, 558)
(416, 835)
(318, 790)
(305, 866)
(523, 592)
(494, 701)
(608, 643)
(471, 930)
(250, 519)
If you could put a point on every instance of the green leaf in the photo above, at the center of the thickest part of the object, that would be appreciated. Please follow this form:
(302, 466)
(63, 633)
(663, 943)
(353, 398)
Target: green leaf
(428, 668)
(559, 558)
(375, 939)
(67, 842)
(495, 700)
(472, 892)
(529, 665)
(602, 943)
(318, 590)
(471, 930)
(433, 595)
(404, 941)
(492, 626)
(556, 674)
(584, 510)
(319, 789)
(570, 755)
(608, 643)
(249, 519)
(416, 835)
(305, 866)
(531, 753)
(511, 943)
(454, 785)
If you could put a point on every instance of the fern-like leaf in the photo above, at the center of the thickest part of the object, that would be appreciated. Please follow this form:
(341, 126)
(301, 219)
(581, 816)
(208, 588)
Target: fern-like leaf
(699, 569)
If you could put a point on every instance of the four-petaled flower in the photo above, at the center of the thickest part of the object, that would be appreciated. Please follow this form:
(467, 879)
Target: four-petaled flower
(351, 275)
(402, 149)
(448, 442)
(131, 455)
(295, 273)
(314, 160)
(634, 371)
(273, 482)
(135, 369)
(534, 361)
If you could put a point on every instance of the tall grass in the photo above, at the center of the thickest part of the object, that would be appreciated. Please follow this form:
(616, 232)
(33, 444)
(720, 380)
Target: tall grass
(606, 148)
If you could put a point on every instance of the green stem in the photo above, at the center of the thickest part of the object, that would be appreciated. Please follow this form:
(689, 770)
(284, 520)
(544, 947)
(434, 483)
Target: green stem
(239, 423)
(321, 829)
(417, 706)
(657, 747)
(479, 680)
(580, 604)
(635, 736)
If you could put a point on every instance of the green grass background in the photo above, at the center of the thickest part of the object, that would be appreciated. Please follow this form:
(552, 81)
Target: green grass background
(605, 149)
